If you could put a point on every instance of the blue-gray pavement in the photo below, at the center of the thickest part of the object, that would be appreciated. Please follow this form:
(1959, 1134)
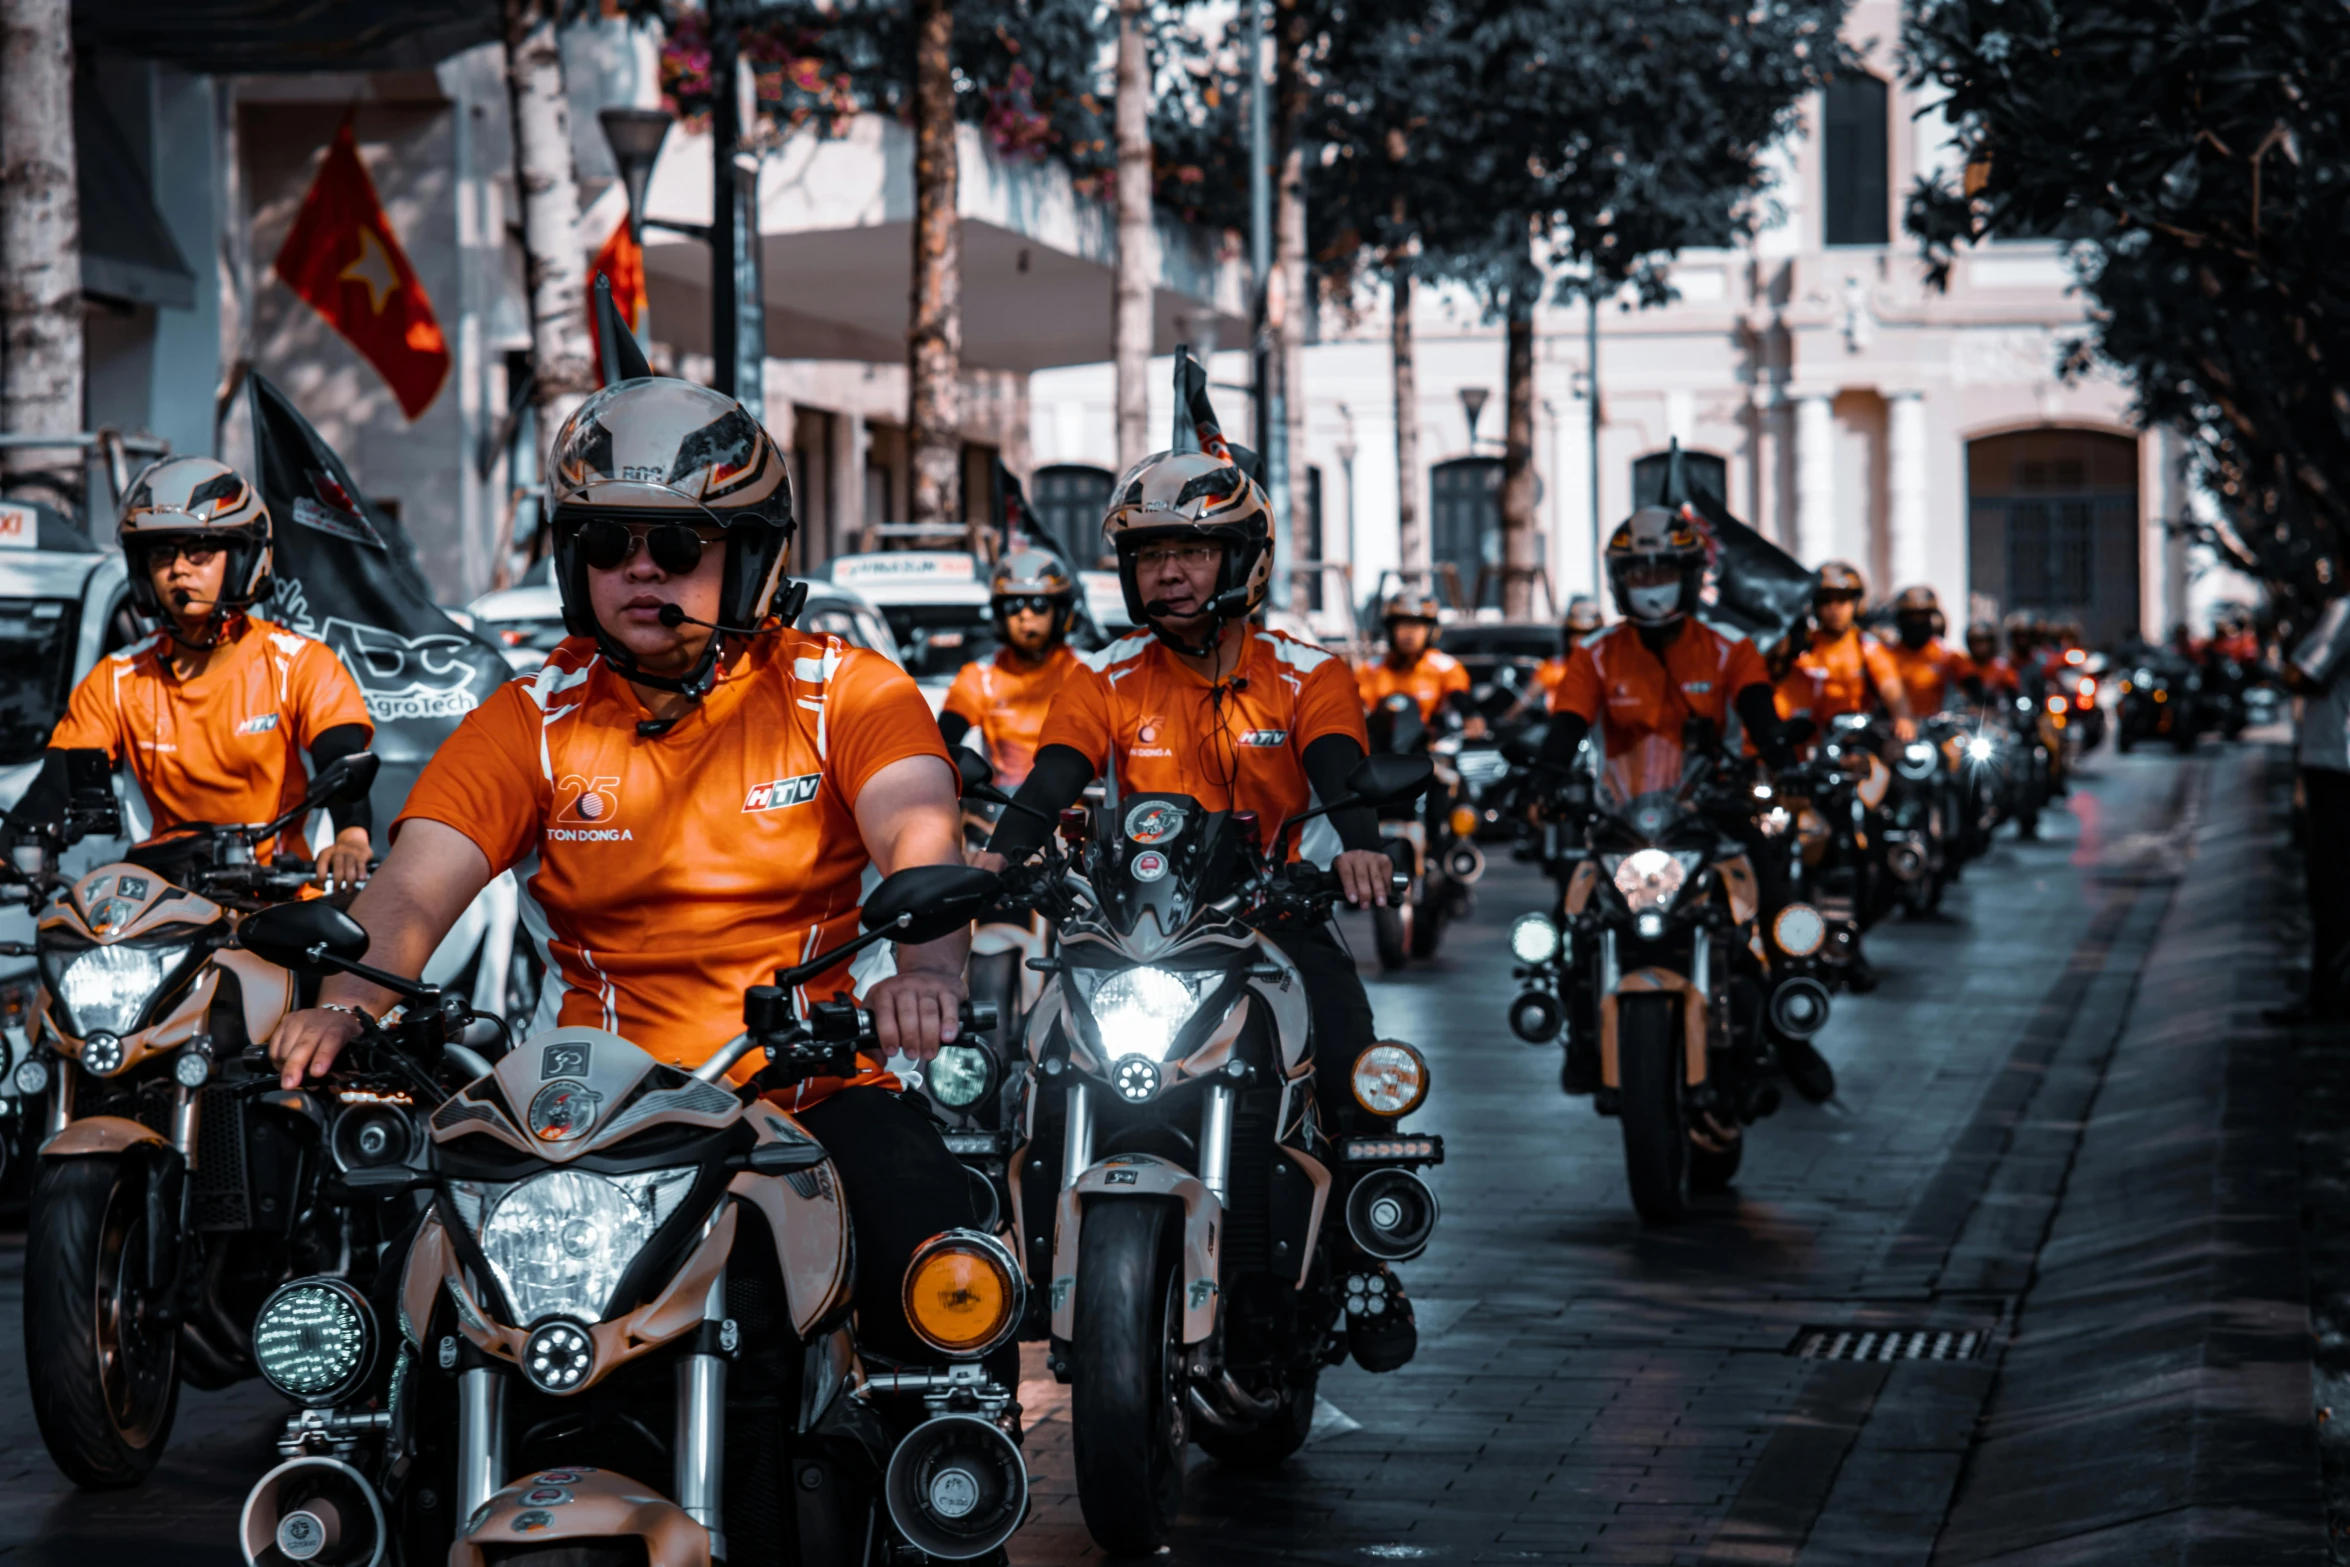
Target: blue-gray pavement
(2053, 1127)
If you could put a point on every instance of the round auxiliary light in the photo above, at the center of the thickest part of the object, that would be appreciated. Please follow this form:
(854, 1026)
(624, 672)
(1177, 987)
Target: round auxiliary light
(1390, 1079)
(102, 1054)
(32, 1077)
(1533, 938)
(1799, 930)
(558, 1356)
(960, 1075)
(1464, 820)
(1135, 1079)
(1650, 926)
(963, 1293)
(315, 1340)
(1980, 750)
(191, 1069)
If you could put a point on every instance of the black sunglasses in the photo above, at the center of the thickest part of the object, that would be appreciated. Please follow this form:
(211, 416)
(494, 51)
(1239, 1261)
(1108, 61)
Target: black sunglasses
(1028, 604)
(607, 544)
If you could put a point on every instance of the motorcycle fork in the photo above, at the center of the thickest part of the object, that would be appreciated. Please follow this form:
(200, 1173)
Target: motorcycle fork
(61, 1096)
(701, 1421)
(481, 1436)
(1215, 1141)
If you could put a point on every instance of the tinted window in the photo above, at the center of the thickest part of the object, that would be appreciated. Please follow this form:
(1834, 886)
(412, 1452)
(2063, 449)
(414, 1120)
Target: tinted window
(36, 672)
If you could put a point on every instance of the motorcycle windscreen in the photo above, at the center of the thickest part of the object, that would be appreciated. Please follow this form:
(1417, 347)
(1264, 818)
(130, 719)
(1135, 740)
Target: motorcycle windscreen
(1163, 856)
(1651, 765)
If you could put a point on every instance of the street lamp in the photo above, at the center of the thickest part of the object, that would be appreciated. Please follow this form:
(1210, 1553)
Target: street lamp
(635, 137)
(1473, 399)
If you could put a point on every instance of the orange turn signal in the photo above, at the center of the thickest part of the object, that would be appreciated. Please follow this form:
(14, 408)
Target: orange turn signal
(963, 1293)
(1464, 821)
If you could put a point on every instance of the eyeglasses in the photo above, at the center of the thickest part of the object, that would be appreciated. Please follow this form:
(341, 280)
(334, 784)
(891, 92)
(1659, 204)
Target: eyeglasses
(1187, 555)
(1028, 604)
(196, 552)
(608, 545)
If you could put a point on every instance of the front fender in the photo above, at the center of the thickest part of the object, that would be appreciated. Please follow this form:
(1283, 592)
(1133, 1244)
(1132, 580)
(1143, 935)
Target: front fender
(1654, 981)
(99, 1134)
(1127, 1177)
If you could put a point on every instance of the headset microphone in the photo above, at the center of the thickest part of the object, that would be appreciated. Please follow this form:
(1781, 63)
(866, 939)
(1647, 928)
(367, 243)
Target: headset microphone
(674, 615)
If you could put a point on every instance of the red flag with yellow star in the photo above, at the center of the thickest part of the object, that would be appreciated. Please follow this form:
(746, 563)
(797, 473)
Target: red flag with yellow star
(342, 257)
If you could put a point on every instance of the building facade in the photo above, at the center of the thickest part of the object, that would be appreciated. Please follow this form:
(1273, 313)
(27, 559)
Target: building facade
(1926, 437)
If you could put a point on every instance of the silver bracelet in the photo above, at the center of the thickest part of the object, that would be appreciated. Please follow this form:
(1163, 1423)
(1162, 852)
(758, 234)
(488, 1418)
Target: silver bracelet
(365, 1020)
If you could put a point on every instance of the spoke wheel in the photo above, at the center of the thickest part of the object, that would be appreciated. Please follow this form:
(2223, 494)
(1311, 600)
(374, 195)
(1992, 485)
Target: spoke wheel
(102, 1365)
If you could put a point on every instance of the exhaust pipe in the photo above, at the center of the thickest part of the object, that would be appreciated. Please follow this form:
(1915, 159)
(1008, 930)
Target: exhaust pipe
(1799, 1007)
(313, 1512)
(1391, 1214)
(1464, 862)
(956, 1487)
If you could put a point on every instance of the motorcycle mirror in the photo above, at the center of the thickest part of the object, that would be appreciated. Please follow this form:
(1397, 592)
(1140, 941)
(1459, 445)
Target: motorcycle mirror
(343, 780)
(1799, 731)
(971, 769)
(286, 934)
(1391, 779)
(935, 900)
(1524, 748)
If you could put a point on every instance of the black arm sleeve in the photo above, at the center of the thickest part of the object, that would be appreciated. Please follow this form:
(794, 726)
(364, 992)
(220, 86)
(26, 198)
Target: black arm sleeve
(954, 726)
(1054, 783)
(1758, 713)
(1328, 762)
(1565, 733)
(341, 741)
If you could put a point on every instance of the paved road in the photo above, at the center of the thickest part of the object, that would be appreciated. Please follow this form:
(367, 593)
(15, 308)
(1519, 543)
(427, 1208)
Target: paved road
(1587, 1389)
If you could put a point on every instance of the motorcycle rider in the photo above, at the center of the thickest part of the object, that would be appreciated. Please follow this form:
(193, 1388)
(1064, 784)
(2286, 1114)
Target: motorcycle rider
(1929, 668)
(210, 710)
(1414, 666)
(1992, 668)
(1855, 671)
(1203, 703)
(1033, 599)
(1659, 673)
(702, 788)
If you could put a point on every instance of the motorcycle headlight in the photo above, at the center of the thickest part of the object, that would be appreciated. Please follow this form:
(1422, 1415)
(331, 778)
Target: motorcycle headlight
(1919, 760)
(314, 1340)
(1140, 1010)
(558, 1243)
(1390, 1079)
(959, 1075)
(1775, 821)
(105, 989)
(1980, 750)
(1651, 878)
(1534, 939)
(963, 1293)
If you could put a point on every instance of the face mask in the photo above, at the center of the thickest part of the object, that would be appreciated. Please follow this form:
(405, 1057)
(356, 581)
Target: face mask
(1653, 605)
(1915, 634)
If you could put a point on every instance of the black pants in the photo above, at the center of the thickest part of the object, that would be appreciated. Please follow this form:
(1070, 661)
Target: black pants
(903, 1187)
(1341, 1015)
(2325, 827)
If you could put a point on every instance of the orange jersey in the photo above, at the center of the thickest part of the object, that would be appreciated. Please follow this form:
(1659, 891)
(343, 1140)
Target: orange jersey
(676, 870)
(1005, 699)
(1546, 677)
(1796, 694)
(1999, 675)
(2243, 647)
(1634, 694)
(1432, 677)
(1136, 699)
(1856, 671)
(1928, 673)
(225, 746)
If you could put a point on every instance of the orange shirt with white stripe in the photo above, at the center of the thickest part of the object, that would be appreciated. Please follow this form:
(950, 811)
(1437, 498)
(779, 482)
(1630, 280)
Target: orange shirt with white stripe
(1006, 698)
(1856, 672)
(225, 746)
(1239, 746)
(1432, 677)
(670, 872)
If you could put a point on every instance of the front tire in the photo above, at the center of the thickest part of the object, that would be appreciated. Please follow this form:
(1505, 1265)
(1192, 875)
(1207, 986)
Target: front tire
(104, 1373)
(1391, 933)
(1126, 1410)
(1427, 919)
(1656, 1131)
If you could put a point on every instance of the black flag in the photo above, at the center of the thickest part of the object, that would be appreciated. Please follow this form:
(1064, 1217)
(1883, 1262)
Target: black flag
(1762, 590)
(347, 576)
(1019, 525)
(1196, 426)
(616, 346)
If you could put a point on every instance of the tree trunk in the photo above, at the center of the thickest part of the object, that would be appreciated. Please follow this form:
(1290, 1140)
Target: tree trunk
(554, 266)
(40, 248)
(1289, 257)
(1411, 539)
(934, 341)
(1521, 536)
(1130, 324)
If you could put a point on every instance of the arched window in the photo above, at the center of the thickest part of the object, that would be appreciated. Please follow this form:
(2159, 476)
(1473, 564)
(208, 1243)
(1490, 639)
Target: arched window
(1853, 145)
(1465, 517)
(1069, 499)
(2052, 526)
